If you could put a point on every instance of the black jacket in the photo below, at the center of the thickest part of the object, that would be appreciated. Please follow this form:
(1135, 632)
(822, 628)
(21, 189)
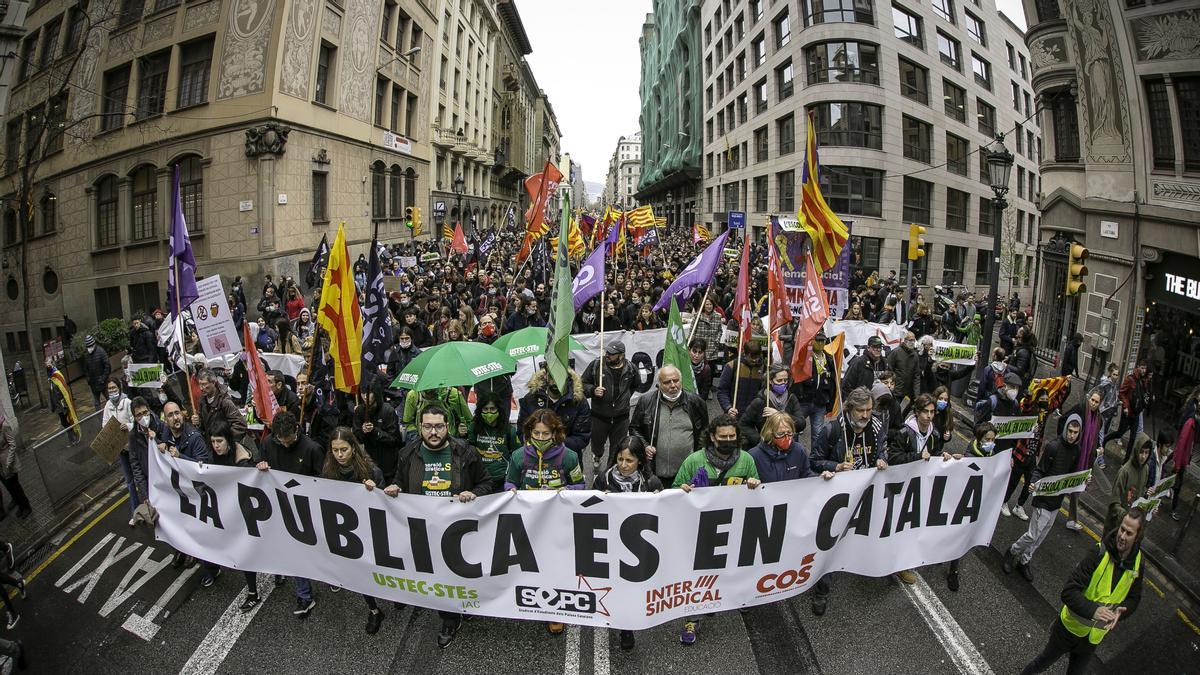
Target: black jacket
(751, 419)
(832, 450)
(905, 447)
(466, 469)
(618, 388)
(861, 373)
(1073, 592)
(818, 390)
(143, 348)
(1058, 457)
(97, 368)
(303, 457)
(642, 422)
(384, 442)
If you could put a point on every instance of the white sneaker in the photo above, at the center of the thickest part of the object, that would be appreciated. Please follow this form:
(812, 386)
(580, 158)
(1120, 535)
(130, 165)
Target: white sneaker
(1074, 525)
(1004, 510)
(1020, 513)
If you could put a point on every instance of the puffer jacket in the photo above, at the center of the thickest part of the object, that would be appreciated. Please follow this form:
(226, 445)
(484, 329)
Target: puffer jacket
(97, 368)
(618, 388)
(775, 466)
(572, 408)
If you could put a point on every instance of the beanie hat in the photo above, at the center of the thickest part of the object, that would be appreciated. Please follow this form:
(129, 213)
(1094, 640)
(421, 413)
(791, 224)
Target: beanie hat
(89, 341)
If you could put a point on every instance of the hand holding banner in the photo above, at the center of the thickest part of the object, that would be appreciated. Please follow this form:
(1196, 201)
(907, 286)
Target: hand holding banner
(1014, 428)
(953, 352)
(1052, 486)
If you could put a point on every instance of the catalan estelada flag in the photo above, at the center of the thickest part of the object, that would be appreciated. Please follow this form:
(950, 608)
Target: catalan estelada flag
(64, 390)
(339, 314)
(827, 232)
(641, 218)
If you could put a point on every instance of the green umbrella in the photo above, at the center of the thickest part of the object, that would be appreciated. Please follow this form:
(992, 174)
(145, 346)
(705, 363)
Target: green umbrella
(454, 364)
(528, 342)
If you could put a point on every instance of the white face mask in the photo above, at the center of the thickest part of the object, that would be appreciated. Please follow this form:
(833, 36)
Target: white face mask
(144, 421)
(91, 349)
(1012, 394)
(162, 397)
(674, 397)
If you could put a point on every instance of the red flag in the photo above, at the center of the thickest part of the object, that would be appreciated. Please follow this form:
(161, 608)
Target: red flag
(780, 311)
(265, 405)
(741, 303)
(540, 187)
(814, 310)
(458, 243)
(802, 365)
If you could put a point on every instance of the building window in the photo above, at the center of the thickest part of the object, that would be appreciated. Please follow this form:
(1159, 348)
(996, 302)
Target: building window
(864, 253)
(957, 151)
(378, 191)
(950, 51)
(982, 70)
(914, 82)
(395, 192)
(28, 56)
(131, 12)
(1021, 182)
(986, 214)
(785, 184)
(834, 11)
(850, 124)
(1047, 10)
(106, 212)
(145, 203)
(410, 187)
(758, 50)
(1016, 95)
(783, 30)
(958, 204)
(326, 61)
(944, 9)
(152, 84)
(143, 298)
(381, 97)
(320, 197)
(784, 78)
(760, 194)
(785, 131)
(983, 264)
(56, 122)
(34, 120)
(116, 93)
(976, 29)
(907, 27)
(12, 144)
(50, 42)
(732, 200)
(194, 67)
(11, 229)
(954, 264)
(986, 116)
(1065, 120)
(394, 119)
(918, 196)
(842, 62)
(917, 142)
(191, 193)
(1187, 95)
(49, 209)
(761, 145)
(108, 303)
(853, 190)
(955, 99)
(75, 22)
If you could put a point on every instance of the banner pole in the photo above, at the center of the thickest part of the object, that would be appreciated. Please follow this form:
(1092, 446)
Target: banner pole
(183, 355)
(738, 364)
(601, 368)
(695, 321)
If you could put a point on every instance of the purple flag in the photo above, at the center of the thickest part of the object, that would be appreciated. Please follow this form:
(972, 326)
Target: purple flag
(181, 268)
(590, 280)
(698, 273)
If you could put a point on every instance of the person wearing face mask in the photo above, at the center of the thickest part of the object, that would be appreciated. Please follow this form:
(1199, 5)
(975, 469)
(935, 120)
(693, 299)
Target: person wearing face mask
(401, 354)
(216, 407)
(609, 396)
(984, 445)
(671, 421)
(226, 451)
(493, 435)
(375, 426)
(777, 398)
(780, 456)
(749, 377)
(486, 330)
(722, 463)
(1091, 444)
(569, 405)
(146, 429)
(117, 406)
(97, 368)
(918, 440)
(1058, 457)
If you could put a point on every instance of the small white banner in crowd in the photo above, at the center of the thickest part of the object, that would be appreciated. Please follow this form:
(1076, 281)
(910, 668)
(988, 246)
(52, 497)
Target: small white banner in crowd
(144, 375)
(953, 352)
(214, 319)
(1014, 428)
(1066, 484)
(628, 561)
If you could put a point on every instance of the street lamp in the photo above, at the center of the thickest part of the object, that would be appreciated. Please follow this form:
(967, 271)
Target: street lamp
(999, 161)
(458, 192)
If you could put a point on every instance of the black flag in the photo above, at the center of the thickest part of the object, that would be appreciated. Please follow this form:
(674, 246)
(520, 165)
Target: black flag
(377, 325)
(316, 268)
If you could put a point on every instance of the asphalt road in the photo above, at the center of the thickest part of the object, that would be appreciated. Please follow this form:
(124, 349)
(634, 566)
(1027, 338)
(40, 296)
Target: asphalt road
(108, 601)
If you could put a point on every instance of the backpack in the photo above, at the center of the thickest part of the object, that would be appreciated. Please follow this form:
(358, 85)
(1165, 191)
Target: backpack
(984, 408)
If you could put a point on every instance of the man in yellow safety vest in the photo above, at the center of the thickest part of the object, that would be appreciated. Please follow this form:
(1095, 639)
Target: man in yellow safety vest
(1105, 588)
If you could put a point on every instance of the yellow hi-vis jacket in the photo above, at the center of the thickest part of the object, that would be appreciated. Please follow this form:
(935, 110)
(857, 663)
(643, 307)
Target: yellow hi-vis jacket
(1102, 590)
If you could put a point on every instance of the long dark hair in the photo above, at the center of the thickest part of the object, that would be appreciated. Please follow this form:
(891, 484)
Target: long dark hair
(223, 430)
(635, 445)
(359, 460)
(484, 399)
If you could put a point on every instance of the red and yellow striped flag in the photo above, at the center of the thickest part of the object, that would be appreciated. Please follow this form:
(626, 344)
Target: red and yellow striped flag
(64, 390)
(827, 232)
(339, 314)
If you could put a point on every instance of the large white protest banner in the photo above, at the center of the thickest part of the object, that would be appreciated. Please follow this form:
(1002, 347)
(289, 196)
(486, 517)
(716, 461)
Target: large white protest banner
(627, 561)
(214, 319)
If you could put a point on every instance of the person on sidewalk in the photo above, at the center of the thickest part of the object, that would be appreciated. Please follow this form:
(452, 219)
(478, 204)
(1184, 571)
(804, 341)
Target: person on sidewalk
(10, 469)
(610, 402)
(1110, 403)
(10, 578)
(1135, 396)
(1183, 456)
(1131, 482)
(1058, 457)
(97, 368)
(1091, 445)
(1104, 589)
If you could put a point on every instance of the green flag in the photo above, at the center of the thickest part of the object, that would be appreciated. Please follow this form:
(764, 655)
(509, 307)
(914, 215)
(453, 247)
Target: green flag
(562, 316)
(675, 352)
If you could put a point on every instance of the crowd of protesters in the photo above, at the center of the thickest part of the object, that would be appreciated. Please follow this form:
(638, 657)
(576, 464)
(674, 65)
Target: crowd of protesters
(747, 423)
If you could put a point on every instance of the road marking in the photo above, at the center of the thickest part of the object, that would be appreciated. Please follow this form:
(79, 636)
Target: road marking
(960, 648)
(600, 636)
(61, 549)
(144, 626)
(1183, 617)
(149, 568)
(225, 632)
(571, 657)
(115, 554)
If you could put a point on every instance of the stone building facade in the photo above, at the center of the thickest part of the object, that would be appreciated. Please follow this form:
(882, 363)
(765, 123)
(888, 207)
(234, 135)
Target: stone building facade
(624, 172)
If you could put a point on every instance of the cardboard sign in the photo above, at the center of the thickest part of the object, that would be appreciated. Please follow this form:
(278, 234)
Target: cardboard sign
(214, 319)
(111, 440)
(431, 256)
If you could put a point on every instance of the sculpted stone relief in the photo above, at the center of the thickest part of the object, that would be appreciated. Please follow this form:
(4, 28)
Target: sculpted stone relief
(1168, 36)
(1102, 92)
(297, 48)
(1048, 52)
(201, 15)
(358, 71)
(243, 58)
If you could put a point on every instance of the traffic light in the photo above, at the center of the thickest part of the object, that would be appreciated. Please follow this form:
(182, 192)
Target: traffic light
(916, 243)
(1076, 269)
(416, 218)
(408, 216)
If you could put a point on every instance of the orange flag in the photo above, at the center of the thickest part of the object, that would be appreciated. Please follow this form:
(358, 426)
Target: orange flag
(814, 311)
(265, 405)
(458, 243)
(835, 348)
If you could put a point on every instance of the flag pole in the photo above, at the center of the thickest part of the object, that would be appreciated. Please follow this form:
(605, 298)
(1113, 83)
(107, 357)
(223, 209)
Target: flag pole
(183, 355)
(738, 363)
(695, 317)
(602, 308)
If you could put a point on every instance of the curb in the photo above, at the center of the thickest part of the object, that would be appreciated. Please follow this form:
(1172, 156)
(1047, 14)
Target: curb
(79, 508)
(1163, 561)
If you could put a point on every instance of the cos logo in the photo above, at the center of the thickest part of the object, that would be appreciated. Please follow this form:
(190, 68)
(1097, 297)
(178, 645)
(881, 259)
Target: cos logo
(787, 578)
(580, 601)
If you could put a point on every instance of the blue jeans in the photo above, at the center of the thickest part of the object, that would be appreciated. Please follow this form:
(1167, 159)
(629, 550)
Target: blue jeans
(127, 472)
(815, 414)
(303, 588)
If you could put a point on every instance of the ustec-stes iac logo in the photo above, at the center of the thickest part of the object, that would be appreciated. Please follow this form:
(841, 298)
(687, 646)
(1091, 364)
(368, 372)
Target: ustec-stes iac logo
(698, 595)
(581, 600)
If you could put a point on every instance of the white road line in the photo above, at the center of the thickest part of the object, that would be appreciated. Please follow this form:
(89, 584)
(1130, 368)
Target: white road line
(225, 632)
(600, 636)
(954, 640)
(571, 657)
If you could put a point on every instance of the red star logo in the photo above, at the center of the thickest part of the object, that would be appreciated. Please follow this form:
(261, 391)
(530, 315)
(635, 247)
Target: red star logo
(583, 583)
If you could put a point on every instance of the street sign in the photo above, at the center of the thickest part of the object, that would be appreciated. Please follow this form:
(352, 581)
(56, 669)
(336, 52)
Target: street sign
(439, 209)
(737, 220)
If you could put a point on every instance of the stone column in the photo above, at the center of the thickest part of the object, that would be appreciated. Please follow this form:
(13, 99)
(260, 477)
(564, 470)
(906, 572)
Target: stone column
(265, 144)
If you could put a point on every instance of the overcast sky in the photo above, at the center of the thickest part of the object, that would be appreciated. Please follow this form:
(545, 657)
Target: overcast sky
(585, 57)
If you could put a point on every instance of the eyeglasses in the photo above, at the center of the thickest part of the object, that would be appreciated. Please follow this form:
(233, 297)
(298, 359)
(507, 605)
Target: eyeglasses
(433, 427)
(784, 434)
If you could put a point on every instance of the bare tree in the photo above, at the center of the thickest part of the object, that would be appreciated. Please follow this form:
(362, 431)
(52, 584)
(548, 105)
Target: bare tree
(1013, 250)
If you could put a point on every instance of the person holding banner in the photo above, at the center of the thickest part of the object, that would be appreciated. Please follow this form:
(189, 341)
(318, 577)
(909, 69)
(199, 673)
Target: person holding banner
(117, 406)
(226, 451)
(672, 422)
(779, 456)
(1091, 445)
(493, 435)
(1131, 483)
(181, 440)
(1058, 458)
(376, 428)
(769, 402)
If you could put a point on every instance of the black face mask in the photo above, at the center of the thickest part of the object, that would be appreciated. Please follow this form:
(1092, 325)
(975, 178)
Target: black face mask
(727, 448)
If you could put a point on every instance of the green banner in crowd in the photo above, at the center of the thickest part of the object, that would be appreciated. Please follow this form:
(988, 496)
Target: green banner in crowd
(953, 352)
(1061, 485)
(1014, 428)
(675, 351)
(146, 375)
(431, 256)
(1163, 485)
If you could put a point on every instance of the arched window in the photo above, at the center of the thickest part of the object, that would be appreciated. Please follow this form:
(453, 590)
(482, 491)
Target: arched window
(395, 194)
(107, 199)
(191, 193)
(49, 210)
(378, 191)
(10, 226)
(145, 203)
(410, 187)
